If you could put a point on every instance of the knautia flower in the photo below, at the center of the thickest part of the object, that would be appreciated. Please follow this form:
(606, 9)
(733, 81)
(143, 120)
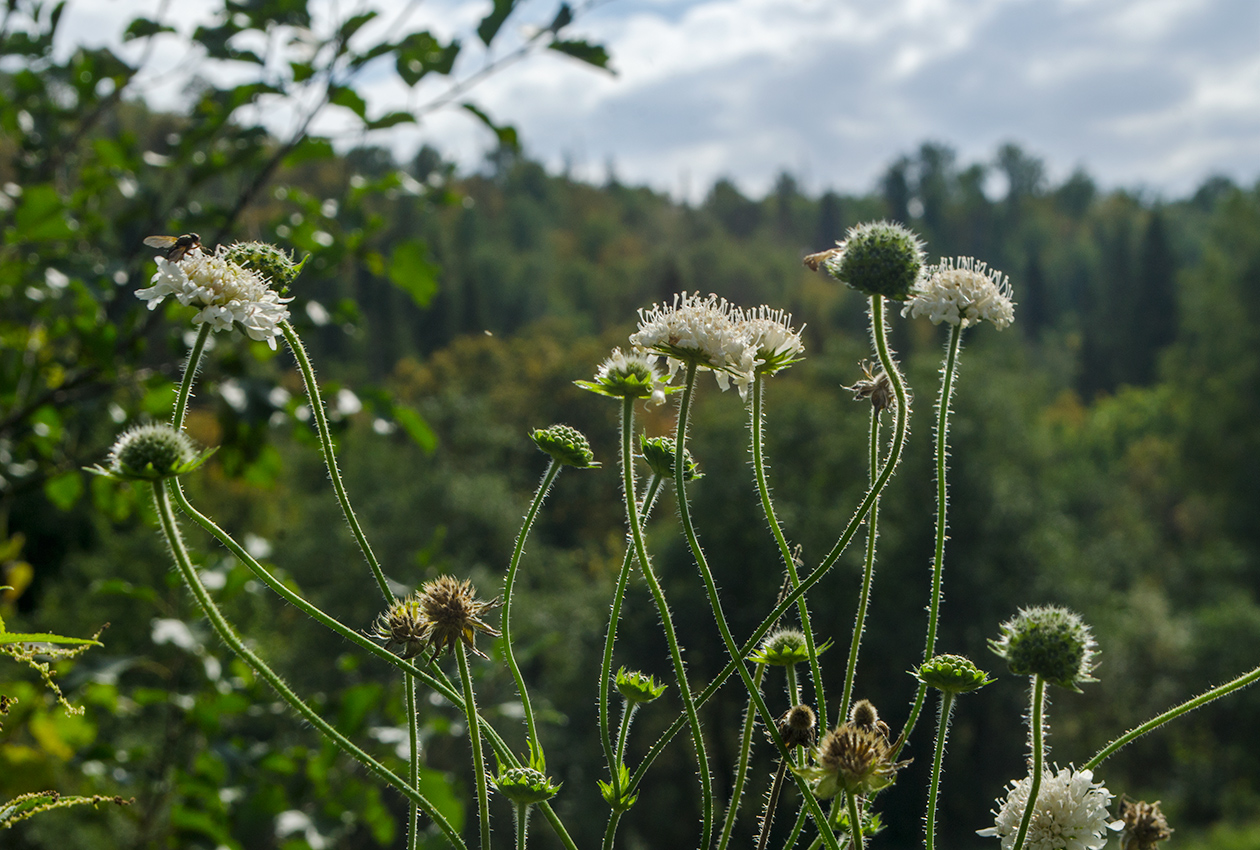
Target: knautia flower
(659, 452)
(632, 375)
(784, 648)
(963, 292)
(878, 258)
(524, 785)
(151, 453)
(565, 445)
(637, 687)
(700, 331)
(1070, 813)
(952, 674)
(771, 338)
(1050, 642)
(851, 758)
(228, 294)
(1144, 825)
(452, 613)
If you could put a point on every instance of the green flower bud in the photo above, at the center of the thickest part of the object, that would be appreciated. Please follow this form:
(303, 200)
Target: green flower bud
(659, 454)
(953, 674)
(637, 687)
(566, 445)
(1050, 642)
(268, 261)
(524, 785)
(878, 258)
(784, 648)
(151, 453)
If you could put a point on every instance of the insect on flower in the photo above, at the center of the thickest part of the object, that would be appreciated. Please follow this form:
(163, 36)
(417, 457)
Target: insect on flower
(176, 246)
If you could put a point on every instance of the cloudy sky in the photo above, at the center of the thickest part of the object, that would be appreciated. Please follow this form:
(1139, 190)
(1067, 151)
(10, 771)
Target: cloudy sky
(1156, 94)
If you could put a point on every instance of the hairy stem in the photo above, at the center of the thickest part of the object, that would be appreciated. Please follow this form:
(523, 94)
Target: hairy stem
(868, 572)
(942, 732)
(741, 770)
(474, 738)
(1037, 723)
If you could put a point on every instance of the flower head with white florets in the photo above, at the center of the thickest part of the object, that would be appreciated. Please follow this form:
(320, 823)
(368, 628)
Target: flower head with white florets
(704, 332)
(773, 341)
(963, 292)
(1070, 813)
(629, 375)
(228, 293)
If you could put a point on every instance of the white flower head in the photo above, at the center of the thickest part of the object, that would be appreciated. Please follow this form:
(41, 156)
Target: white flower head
(772, 340)
(1070, 813)
(227, 293)
(962, 291)
(633, 374)
(703, 331)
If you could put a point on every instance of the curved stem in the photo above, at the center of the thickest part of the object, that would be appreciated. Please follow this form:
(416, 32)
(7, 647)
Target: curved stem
(535, 745)
(413, 733)
(330, 457)
(741, 770)
(942, 518)
(474, 738)
(868, 572)
(802, 609)
(221, 626)
(942, 731)
(190, 375)
(715, 604)
(675, 652)
(1038, 734)
(1172, 714)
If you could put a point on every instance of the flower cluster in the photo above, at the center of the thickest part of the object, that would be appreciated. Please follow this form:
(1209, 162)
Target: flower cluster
(711, 333)
(228, 293)
(855, 757)
(1070, 813)
(632, 375)
(444, 612)
(962, 292)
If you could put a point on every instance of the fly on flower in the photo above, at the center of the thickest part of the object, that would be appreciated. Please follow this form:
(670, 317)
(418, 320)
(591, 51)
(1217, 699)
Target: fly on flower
(176, 246)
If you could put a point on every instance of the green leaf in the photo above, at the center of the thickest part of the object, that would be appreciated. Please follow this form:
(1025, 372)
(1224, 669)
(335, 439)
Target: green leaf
(490, 24)
(390, 119)
(64, 490)
(41, 215)
(505, 133)
(144, 28)
(350, 99)
(564, 17)
(416, 427)
(9, 638)
(583, 51)
(413, 272)
(353, 25)
(438, 789)
(420, 53)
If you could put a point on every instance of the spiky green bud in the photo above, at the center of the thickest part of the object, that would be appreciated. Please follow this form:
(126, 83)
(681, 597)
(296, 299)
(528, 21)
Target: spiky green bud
(637, 687)
(566, 445)
(151, 453)
(275, 265)
(525, 786)
(784, 648)
(878, 258)
(658, 452)
(1050, 642)
(953, 674)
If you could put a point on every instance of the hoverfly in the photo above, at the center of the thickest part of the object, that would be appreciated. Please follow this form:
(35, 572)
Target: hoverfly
(176, 246)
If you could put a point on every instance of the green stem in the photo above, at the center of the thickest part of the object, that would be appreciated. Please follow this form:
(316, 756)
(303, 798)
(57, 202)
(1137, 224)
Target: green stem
(802, 609)
(221, 626)
(741, 772)
(190, 375)
(715, 604)
(942, 518)
(795, 834)
(1038, 735)
(413, 731)
(868, 573)
(610, 832)
(535, 745)
(522, 825)
(474, 738)
(772, 803)
(330, 457)
(675, 652)
(793, 689)
(1172, 714)
(623, 734)
(855, 821)
(942, 731)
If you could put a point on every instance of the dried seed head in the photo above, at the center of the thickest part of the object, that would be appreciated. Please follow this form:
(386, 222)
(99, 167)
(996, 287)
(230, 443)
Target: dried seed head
(797, 726)
(876, 386)
(1144, 825)
(864, 716)
(452, 612)
(403, 627)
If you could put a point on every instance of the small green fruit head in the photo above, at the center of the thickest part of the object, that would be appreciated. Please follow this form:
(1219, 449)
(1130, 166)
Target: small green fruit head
(878, 258)
(1049, 642)
(633, 375)
(784, 648)
(270, 262)
(637, 687)
(151, 453)
(524, 785)
(951, 674)
(565, 445)
(658, 452)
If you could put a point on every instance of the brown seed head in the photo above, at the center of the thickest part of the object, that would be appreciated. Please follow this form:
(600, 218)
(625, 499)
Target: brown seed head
(796, 726)
(1144, 825)
(403, 627)
(859, 759)
(452, 613)
(875, 386)
(864, 716)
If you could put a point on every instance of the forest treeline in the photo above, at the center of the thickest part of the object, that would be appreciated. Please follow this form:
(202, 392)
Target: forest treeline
(1106, 457)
